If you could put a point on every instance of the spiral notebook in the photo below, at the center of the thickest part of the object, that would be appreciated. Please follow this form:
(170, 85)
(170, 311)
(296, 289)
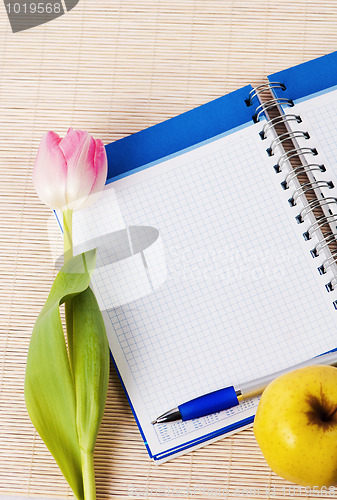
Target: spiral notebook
(212, 269)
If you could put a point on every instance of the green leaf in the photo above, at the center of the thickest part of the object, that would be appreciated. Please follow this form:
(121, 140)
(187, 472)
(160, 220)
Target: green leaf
(91, 363)
(49, 385)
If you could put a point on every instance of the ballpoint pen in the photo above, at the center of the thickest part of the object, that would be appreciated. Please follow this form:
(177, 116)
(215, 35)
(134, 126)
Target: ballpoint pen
(226, 398)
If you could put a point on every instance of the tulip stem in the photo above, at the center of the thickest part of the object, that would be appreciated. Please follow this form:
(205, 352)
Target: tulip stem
(88, 471)
(67, 234)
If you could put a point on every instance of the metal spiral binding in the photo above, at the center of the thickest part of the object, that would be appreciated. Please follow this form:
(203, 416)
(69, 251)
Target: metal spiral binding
(301, 169)
(293, 153)
(323, 243)
(278, 141)
(309, 186)
(320, 222)
(262, 88)
(332, 284)
(271, 104)
(277, 121)
(328, 262)
(305, 168)
(312, 205)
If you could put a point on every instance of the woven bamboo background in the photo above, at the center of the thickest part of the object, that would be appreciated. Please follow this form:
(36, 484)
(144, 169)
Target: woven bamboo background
(114, 67)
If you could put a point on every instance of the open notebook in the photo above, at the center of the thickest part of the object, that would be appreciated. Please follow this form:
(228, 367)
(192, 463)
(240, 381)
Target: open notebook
(204, 276)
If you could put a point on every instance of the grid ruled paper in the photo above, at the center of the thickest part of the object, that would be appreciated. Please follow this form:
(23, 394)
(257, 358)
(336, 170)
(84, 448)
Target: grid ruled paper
(203, 282)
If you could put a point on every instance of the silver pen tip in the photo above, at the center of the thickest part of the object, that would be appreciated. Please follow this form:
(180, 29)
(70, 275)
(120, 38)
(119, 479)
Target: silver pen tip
(169, 416)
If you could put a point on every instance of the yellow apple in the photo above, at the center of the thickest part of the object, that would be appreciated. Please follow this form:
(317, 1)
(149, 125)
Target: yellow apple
(296, 425)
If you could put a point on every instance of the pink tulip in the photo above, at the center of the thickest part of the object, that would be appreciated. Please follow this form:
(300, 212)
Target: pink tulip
(67, 171)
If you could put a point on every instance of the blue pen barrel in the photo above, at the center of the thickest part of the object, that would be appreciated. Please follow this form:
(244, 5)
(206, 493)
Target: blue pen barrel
(209, 403)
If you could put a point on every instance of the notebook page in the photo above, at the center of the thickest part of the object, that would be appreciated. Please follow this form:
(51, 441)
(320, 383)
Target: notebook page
(204, 281)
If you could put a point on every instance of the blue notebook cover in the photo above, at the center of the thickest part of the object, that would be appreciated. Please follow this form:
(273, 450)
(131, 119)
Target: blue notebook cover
(308, 78)
(179, 133)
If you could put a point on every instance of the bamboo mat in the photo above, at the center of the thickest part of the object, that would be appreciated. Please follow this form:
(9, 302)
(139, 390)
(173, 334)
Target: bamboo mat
(114, 67)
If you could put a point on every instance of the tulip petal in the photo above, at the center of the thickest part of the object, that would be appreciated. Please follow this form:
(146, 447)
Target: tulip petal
(101, 165)
(78, 151)
(72, 144)
(50, 172)
(84, 163)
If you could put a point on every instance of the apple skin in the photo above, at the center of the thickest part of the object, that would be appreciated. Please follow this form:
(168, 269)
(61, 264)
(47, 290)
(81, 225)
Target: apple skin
(296, 425)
